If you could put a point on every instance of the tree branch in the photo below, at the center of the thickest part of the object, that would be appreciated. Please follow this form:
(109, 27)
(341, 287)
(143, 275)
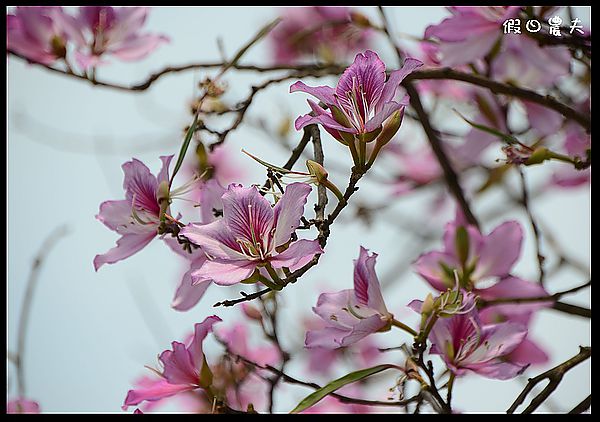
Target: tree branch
(554, 376)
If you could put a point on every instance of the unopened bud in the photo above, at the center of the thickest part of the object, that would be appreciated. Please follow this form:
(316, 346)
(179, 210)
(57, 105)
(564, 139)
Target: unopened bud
(251, 312)
(538, 156)
(387, 133)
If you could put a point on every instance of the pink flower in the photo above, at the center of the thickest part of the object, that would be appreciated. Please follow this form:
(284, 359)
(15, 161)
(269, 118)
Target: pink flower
(465, 344)
(137, 217)
(478, 259)
(194, 401)
(250, 235)
(325, 32)
(521, 60)
(351, 315)
(22, 406)
(234, 380)
(40, 33)
(184, 369)
(114, 31)
(470, 33)
(362, 100)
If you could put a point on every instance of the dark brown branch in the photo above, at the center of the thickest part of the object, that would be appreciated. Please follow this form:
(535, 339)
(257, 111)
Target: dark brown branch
(583, 406)
(554, 376)
(554, 297)
(567, 308)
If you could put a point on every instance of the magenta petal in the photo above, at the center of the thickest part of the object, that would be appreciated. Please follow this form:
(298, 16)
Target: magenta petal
(461, 27)
(115, 214)
(514, 287)
(288, 210)
(139, 47)
(367, 72)
(247, 214)
(322, 93)
(498, 370)
(544, 120)
(498, 340)
(178, 365)
(22, 406)
(327, 338)
(428, 267)
(297, 255)
(201, 330)
(156, 391)
(365, 327)
(163, 175)
(415, 305)
(210, 200)
(468, 51)
(366, 284)
(215, 238)
(188, 294)
(380, 117)
(500, 250)
(127, 245)
(141, 184)
(528, 353)
(223, 272)
(396, 77)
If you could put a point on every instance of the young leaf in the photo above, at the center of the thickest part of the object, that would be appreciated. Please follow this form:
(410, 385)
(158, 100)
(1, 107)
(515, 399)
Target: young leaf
(505, 137)
(318, 395)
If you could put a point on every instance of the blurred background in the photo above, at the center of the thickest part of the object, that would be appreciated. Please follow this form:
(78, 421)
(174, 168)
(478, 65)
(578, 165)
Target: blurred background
(90, 334)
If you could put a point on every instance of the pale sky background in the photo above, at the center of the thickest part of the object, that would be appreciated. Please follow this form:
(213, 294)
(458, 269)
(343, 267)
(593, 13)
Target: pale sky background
(91, 334)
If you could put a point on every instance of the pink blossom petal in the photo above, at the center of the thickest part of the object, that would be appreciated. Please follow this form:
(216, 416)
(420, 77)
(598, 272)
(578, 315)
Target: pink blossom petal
(201, 330)
(497, 340)
(396, 77)
(545, 121)
(500, 250)
(366, 284)
(464, 26)
(297, 255)
(210, 200)
(469, 50)
(139, 47)
(22, 406)
(224, 272)
(498, 370)
(514, 287)
(428, 267)
(157, 391)
(247, 213)
(215, 238)
(322, 93)
(187, 294)
(127, 245)
(288, 210)
(365, 327)
(368, 72)
(328, 337)
(178, 365)
(528, 353)
(140, 183)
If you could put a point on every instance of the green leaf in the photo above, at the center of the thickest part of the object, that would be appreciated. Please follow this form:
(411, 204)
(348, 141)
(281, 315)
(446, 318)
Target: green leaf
(184, 148)
(504, 136)
(318, 395)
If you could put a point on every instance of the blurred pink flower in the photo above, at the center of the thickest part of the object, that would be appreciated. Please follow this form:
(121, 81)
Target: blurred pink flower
(22, 406)
(183, 368)
(470, 33)
(317, 31)
(135, 218)
(114, 31)
(240, 386)
(40, 33)
(487, 258)
(351, 315)
(250, 233)
(362, 100)
(465, 344)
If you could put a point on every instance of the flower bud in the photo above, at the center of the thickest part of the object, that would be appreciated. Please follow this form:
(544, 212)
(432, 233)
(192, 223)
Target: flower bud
(251, 312)
(319, 174)
(390, 128)
(538, 156)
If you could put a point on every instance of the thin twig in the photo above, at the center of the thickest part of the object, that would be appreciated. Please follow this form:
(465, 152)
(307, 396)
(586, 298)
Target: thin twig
(554, 376)
(32, 282)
